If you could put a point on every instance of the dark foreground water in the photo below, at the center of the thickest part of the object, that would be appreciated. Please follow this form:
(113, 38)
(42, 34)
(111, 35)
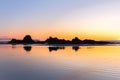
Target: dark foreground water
(20, 62)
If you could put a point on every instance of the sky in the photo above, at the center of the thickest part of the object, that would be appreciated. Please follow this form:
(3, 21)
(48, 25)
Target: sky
(86, 19)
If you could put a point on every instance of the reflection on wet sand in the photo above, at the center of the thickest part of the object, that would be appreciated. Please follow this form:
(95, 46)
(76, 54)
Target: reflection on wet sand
(13, 46)
(27, 48)
(76, 48)
(55, 48)
(88, 63)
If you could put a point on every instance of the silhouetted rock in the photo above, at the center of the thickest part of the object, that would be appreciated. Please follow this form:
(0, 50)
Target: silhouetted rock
(51, 40)
(76, 41)
(27, 39)
(14, 41)
(87, 41)
(55, 40)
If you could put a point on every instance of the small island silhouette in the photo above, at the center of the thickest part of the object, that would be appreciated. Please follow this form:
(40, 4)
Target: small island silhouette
(26, 40)
(52, 41)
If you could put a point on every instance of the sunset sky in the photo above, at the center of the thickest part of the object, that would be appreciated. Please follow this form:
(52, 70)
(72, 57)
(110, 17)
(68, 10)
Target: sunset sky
(91, 19)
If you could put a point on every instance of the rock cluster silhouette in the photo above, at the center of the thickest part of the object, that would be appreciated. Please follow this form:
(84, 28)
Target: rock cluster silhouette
(28, 40)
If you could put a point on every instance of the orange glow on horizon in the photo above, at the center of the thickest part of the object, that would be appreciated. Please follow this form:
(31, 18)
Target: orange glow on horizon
(67, 36)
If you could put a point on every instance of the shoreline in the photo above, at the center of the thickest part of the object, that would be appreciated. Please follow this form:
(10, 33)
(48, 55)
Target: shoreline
(56, 45)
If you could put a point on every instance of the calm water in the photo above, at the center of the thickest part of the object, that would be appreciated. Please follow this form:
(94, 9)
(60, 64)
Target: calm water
(59, 63)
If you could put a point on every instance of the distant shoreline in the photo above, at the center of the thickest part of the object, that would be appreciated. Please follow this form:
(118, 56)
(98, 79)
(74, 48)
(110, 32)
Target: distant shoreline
(41, 44)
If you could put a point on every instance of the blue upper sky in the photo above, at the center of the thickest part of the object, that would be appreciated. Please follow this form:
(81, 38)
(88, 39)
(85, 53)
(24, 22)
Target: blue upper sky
(31, 16)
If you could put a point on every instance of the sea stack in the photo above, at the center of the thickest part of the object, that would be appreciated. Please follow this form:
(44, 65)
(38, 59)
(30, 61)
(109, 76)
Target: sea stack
(27, 39)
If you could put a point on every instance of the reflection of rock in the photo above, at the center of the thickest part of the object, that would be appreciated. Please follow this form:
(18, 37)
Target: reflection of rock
(27, 48)
(90, 47)
(76, 48)
(55, 48)
(13, 46)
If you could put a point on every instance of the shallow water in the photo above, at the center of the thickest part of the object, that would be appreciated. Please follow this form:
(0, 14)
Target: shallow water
(33, 62)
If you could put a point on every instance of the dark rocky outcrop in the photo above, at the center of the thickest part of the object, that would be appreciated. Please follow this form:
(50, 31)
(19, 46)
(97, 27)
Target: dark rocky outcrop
(87, 41)
(14, 41)
(55, 40)
(26, 40)
(76, 40)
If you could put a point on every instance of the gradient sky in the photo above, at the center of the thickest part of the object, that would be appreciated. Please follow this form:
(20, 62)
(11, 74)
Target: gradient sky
(91, 19)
